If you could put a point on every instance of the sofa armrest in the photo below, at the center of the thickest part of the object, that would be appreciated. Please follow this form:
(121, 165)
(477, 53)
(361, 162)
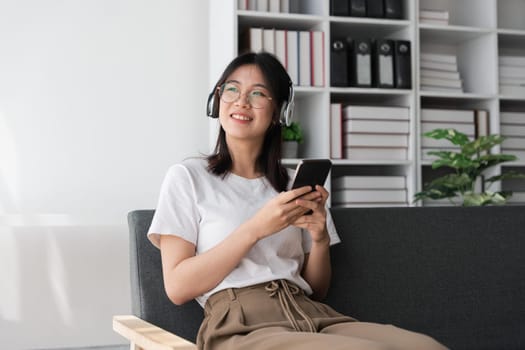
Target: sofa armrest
(144, 335)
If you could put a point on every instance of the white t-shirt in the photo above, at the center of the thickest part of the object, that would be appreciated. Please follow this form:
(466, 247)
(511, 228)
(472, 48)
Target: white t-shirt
(204, 209)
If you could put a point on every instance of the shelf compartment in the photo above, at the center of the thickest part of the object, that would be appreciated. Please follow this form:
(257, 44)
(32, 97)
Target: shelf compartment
(370, 28)
(510, 14)
(473, 13)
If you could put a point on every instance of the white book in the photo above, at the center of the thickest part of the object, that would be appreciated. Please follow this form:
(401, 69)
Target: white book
(376, 126)
(269, 40)
(439, 57)
(441, 82)
(448, 67)
(517, 197)
(512, 81)
(256, 39)
(447, 115)
(262, 5)
(375, 140)
(441, 89)
(336, 133)
(511, 60)
(305, 77)
(370, 182)
(512, 130)
(292, 55)
(512, 117)
(252, 5)
(285, 6)
(274, 6)
(280, 47)
(375, 153)
(441, 74)
(369, 196)
(441, 22)
(317, 57)
(512, 90)
(482, 122)
(242, 4)
(468, 129)
(514, 143)
(434, 14)
(512, 71)
(376, 112)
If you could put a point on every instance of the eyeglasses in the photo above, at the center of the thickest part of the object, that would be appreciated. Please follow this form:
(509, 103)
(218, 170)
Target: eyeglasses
(229, 92)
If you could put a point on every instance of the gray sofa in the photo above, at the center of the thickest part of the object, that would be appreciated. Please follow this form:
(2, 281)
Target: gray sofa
(457, 274)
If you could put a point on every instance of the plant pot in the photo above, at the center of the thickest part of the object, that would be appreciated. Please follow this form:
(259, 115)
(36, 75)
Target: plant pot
(290, 149)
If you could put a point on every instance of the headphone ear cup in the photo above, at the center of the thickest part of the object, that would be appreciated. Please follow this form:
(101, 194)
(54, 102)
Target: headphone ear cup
(287, 108)
(210, 105)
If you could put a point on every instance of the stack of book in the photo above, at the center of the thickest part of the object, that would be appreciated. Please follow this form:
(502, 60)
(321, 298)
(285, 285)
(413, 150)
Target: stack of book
(513, 129)
(439, 72)
(461, 120)
(368, 191)
(512, 75)
(439, 17)
(264, 5)
(300, 52)
(373, 132)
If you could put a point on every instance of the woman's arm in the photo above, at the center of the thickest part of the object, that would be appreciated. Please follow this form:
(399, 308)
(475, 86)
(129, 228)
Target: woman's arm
(317, 270)
(187, 275)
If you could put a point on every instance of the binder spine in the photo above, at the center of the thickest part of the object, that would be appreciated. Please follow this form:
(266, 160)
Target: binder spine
(339, 63)
(402, 64)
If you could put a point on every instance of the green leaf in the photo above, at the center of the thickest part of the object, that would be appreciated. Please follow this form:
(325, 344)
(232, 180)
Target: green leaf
(452, 135)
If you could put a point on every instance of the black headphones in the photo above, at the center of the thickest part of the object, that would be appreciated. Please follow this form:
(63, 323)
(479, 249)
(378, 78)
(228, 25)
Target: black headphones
(285, 116)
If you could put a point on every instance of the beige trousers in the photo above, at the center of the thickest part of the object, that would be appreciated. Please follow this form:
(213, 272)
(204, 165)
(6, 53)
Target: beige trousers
(277, 315)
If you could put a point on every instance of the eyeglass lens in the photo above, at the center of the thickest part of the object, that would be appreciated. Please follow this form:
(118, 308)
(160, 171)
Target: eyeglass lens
(230, 93)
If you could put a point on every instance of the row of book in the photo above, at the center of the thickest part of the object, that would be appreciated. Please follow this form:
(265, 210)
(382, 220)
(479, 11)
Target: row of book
(369, 132)
(512, 75)
(439, 72)
(369, 191)
(473, 123)
(300, 52)
(382, 63)
(282, 6)
(429, 16)
(512, 127)
(367, 8)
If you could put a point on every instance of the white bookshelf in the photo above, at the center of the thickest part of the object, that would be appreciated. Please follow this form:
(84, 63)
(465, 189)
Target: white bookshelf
(478, 31)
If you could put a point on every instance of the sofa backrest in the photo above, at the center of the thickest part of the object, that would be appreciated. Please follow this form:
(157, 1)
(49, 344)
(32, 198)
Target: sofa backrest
(457, 274)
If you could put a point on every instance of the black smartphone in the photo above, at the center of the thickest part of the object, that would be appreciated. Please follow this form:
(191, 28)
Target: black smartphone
(311, 172)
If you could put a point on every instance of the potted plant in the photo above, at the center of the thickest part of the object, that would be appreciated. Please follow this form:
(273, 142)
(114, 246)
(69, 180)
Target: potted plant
(467, 165)
(292, 137)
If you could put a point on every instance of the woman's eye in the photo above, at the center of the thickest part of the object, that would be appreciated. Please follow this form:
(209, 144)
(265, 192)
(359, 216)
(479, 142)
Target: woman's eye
(231, 88)
(258, 93)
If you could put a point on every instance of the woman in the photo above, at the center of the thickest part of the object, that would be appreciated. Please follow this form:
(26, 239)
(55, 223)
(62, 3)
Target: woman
(235, 239)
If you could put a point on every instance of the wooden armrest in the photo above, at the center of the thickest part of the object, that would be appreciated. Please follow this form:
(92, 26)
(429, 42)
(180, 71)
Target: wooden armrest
(145, 335)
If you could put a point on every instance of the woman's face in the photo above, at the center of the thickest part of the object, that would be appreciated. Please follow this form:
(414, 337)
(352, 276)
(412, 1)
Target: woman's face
(246, 107)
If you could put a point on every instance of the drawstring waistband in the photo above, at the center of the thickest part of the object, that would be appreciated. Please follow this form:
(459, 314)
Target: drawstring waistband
(285, 292)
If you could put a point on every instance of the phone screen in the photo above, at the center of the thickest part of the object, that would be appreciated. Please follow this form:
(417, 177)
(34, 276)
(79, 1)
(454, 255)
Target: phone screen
(311, 172)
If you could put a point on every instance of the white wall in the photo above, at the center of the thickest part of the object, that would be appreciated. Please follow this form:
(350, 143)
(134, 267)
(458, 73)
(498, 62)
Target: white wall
(97, 99)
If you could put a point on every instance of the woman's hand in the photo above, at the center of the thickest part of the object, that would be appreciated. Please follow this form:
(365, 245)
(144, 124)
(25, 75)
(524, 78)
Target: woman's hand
(283, 210)
(316, 222)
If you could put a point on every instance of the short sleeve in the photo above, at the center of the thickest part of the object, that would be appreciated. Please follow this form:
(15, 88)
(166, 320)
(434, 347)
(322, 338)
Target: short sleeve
(332, 232)
(176, 213)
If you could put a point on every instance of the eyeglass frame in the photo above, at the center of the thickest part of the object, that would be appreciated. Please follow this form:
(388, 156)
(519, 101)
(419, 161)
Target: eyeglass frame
(220, 90)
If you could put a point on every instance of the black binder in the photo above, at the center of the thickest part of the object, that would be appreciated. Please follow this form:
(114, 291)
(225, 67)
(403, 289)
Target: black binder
(360, 59)
(392, 8)
(374, 8)
(339, 7)
(339, 63)
(357, 8)
(402, 64)
(383, 63)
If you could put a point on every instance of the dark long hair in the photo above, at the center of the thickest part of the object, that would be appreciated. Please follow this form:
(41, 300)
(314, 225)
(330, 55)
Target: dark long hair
(269, 160)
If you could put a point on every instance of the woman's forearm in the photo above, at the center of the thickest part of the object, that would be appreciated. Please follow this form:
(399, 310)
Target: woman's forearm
(317, 270)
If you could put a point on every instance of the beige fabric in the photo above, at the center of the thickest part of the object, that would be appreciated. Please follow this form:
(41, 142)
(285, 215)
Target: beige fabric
(277, 315)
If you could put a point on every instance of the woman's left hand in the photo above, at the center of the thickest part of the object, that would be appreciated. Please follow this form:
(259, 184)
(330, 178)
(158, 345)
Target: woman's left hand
(316, 222)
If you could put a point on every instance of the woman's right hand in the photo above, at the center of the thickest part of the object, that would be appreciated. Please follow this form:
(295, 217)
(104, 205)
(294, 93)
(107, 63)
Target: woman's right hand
(281, 211)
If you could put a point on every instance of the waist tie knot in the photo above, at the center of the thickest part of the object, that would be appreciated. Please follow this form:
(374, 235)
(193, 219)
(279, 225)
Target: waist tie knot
(285, 292)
